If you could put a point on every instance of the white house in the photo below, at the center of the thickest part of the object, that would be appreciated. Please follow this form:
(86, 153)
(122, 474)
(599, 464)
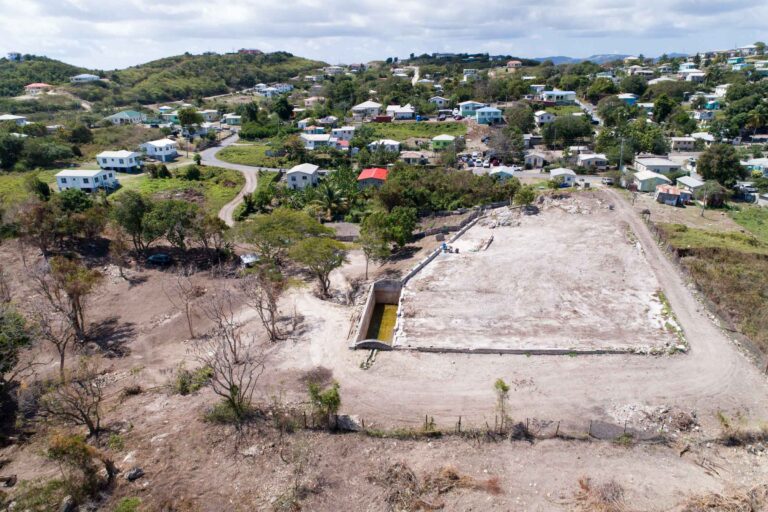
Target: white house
(703, 115)
(164, 150)
(566, 175)
(302, 176)
(19, 120)
(124, 161)
(705, 137)
(543, 117)
(344, 133)
(655, 164)
(401, 112)
(440, 101)
(304, 123)
(209, 115)
(385, 144)
(127, 117)
(536, 160)
(468, 108)
(313, 141)
(592, 160)
(86, 180)
(503, 172)
(366, 109)
(556, 96)
(721, 90)
(83, 78)
(688, 183)
(682, 143)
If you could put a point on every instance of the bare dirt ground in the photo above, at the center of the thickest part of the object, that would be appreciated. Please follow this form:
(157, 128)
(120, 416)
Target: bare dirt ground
(194, 465)
(572, 278)
(690, 216)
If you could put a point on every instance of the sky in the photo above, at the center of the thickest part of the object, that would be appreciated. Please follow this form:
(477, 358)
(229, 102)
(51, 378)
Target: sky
(108, 34)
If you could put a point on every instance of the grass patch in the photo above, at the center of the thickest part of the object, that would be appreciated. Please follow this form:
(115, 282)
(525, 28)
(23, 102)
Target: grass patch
(113, 138)
(128, 505)
(253, 154)
(754, 219)
(564, 110)
(12, 189)
(683, 238)
(401, 131)
(186, 381)
(217, 187)
(39, 496)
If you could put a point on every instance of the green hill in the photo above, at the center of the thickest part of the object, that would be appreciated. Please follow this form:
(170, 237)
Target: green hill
(15, 75)
(173, 78)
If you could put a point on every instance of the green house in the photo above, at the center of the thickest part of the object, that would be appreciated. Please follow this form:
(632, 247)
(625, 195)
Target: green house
(442, 142)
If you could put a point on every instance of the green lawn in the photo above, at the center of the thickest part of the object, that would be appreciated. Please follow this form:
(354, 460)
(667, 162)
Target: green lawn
(755, 220)
(217, 187)
(683, 237)
(564, 110)
(401, 131)
(12, 189)
(252, 154)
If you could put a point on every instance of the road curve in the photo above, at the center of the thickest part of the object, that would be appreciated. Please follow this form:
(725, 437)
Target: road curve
(251, 174)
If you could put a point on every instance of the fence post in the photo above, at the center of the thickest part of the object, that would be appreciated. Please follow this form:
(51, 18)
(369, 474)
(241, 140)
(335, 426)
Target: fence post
(459, 424)
(589, 433)
(557, 430)
(305, 419)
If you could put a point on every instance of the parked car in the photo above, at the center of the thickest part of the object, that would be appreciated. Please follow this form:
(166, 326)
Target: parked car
(458, 118)
(441, 117)
(607, 181)
(160, 259)
(486, 163)
(249, 260)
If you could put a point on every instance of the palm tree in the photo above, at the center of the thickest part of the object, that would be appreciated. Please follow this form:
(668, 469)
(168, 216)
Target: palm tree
(757, 119)
(331, 199)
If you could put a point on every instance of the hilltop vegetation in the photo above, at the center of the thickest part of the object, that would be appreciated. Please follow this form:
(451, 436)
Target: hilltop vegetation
(15, 75)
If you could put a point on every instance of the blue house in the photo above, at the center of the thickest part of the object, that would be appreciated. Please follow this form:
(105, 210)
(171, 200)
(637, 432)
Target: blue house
(628, 98)
(488, 115)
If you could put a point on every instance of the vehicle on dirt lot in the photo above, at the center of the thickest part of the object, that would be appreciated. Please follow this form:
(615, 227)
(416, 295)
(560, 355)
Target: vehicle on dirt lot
(607, 181)
(160, 259)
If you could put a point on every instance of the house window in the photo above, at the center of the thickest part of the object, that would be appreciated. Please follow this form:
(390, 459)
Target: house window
(96, 179)
(304, 178)
(121, 161)
(293, 178)
(85, 180)
(63, 180)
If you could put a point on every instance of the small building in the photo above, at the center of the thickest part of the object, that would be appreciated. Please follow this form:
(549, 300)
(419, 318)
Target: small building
(443, 141)
(440, 101)
(313, 141)
(559, 97)
(543, 117)
(127, 117)
(366, 109)
(707, 138)
(302, 176)
(503, 172)
(535, 160)
(488, 115)
(18, 120)
(328, 121)
(37, 88)
(164, 150)
(703, 115)
(124, 161)
(397, 112)
(628, 98)
(682, 143)
(344, 133)
(689, 184)
(468, 108)
(414, 158)
(656, 164)
(232, 119)
(568, 176)
(596, 161)
(373, 177)
(514, 64)
(209, 115)
(84, 78)
(86, 180)
(671, 196)
(313, 130)
(647, 181)
(385, 144)
(313, 100)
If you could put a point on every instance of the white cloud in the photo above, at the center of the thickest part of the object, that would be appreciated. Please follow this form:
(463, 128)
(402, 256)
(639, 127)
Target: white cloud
(116, 33)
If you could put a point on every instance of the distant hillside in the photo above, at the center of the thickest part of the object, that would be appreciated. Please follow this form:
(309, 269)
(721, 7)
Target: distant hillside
(172, 78)
(15, 75)
(597, 59)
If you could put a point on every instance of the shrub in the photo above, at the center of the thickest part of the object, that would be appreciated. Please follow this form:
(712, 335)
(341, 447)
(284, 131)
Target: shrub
(128, 505)
(186, 381)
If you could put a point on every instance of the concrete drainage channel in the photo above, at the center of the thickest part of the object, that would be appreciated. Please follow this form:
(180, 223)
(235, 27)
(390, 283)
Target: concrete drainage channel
(381, 318)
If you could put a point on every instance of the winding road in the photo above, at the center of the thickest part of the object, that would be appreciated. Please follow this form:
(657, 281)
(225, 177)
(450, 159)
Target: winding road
(250, 172)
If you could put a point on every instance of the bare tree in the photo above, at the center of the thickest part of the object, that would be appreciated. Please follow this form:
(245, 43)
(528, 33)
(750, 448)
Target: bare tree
(78, 399)
(262, 292)
(55, 329)
(119, 247)
(220, 308)
(182, 293)
(5, 287)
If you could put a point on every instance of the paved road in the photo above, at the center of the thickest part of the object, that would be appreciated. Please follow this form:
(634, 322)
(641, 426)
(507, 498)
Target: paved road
(416, 74)
(250, 172)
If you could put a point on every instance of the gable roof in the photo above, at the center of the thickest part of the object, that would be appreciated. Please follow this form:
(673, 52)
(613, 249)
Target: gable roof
(304, 168)
(374, 173)
(78, 173)
(118, 154)
(689, 181)
(445, 137)
(366, 105)
(561, 171)
(647, 175)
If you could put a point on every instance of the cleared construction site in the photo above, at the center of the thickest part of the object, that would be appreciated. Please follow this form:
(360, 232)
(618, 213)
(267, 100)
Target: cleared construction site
(570, 278)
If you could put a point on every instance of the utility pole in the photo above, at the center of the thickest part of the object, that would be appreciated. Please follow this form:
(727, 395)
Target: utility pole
(621, 157)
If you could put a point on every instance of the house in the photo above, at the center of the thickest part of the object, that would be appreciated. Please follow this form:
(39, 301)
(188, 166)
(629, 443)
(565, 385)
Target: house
(721, 90)
(328, 120)
(656, 164)
(537, 89)
(37, 88)
(442, 142)
(705, 137)
(712, 105)
(344, 133)
(313, 141)
(18, 120)
(440, 101)
(469, 74)
(503, 172)
(414, 158)
(165, 108)
(232, 119)
(703, 115)
(646, 181)
(535, 160)
(566, 175)
(468, 108)
(385, 144)
(488, 115)
(543, 117)
(83, 78)
(366, 109)
(671, 196)
(695, 76)
(682, 143)
(559, 97)
(86, 180)
(302, 176)
(127, 117)
(313, 100)
(592, 161)
(171, 117)
(398, 112)
(757, 164)
(689, 184)
(374, 177)
(660, 80)
(314, 130)
(209, 115)
(304, 123)
(628, 98)
(514, 64)
(530, 140)
(164, 150)
(124, 161)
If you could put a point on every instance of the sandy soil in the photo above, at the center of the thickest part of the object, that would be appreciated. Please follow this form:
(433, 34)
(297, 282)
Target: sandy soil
(569, 279)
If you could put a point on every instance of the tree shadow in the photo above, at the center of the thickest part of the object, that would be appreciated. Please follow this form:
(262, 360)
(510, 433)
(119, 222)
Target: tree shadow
(405, 253)
(111, 337)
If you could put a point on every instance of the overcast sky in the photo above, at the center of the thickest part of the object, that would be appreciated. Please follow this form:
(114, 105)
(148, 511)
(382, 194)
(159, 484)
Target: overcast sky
(106, 34)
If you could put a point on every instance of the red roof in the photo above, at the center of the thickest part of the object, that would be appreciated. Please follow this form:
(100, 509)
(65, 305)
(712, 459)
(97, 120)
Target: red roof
(38, 85)
(375, 173)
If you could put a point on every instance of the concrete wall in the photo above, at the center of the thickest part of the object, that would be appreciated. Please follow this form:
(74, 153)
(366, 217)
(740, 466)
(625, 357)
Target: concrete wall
(386, 291)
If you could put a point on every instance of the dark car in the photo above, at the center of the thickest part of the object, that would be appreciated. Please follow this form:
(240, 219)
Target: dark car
(441, 117)
(160, 259)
